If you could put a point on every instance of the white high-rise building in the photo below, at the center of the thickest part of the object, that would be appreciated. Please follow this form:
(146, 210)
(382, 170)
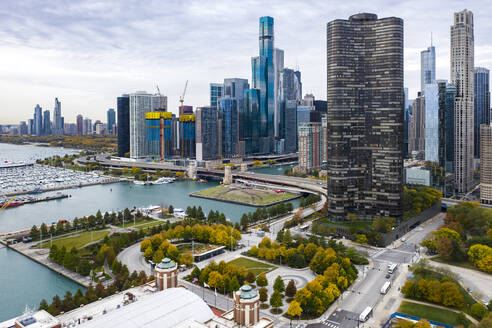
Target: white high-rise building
(140, 103)
(462, 63)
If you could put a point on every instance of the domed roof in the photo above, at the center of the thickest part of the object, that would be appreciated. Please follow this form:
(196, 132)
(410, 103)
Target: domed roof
(166, 264)
(246, 292)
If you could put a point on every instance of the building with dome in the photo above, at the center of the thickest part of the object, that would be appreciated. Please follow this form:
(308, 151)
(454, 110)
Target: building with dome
(166, 274)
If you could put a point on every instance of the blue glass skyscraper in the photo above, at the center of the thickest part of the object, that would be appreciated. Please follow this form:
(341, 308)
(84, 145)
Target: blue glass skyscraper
(263, 73)
(432, 122)
(228, 113)
(111, 120)
(427, 67)
(482, 105)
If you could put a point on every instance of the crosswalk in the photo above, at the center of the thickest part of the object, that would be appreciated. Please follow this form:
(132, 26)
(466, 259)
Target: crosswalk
(331, 324)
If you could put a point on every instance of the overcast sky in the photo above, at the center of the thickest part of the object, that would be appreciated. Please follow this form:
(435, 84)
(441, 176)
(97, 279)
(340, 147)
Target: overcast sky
(87, 53)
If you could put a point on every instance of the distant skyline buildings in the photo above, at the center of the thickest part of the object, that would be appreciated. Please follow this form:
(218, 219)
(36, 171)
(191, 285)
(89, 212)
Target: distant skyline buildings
(58, 127)
(111, 120)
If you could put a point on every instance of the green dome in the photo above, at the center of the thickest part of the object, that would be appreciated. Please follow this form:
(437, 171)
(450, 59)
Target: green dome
(247, 292)
(166, 264)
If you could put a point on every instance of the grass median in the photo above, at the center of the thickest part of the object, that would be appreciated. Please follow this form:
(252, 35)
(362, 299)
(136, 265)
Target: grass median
(252, 265)
(430, 312)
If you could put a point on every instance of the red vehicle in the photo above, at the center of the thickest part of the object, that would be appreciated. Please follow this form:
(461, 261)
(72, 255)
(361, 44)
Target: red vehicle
(13, 204)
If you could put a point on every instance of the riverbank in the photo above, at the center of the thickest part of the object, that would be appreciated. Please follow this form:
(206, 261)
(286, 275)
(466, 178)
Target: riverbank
(41, 256)
(238, 194)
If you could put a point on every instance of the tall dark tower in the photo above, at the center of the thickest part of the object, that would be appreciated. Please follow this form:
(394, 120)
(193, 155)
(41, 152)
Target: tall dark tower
(123, 112)
(365, 116)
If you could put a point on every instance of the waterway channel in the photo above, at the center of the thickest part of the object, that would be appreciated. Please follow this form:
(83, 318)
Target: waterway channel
(27, 282)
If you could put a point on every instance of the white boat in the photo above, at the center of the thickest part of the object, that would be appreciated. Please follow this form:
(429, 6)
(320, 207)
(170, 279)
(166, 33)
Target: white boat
(138, 182)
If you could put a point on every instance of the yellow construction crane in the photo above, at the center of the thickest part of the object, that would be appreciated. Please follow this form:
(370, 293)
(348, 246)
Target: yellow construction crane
(4, 206)
(181, 112)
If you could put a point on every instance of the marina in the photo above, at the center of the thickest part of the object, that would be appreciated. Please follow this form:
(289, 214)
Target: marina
(34, 178)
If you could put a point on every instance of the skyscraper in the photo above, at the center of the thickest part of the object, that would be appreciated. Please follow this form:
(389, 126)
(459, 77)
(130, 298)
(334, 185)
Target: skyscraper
(111, 120)
(123, 109)
(431, 122)
(290, 85)
(365, 116)
(140, 103)
(57, 119)
(38, 120)
(263, 79)
(207, 133)
(446, 124)
(310, 143)
(416, 131)
(46, 123)
(462, 60)
(216, 92)
(481, 104)
(80, 124)
(290, 126)
(229, 114)
(486, 164)
(278, 64)
(427, 67)
(406, 123)
(249, 129)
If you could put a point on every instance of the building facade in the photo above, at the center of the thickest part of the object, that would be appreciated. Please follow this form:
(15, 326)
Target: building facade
(216, 92)
(431, 124)
(140, 103)
(249, 122)
(446, 124)
(246, 306)
(427, 67)
(416, 133)
(207, 133)
(289, 126)
(57, 118)
(46, 123)
(38, 120)
(365, 125)
(462, 63)
(158, 133)
(123, 111)
(111, 120)
(486, 164)
(166, 274)
(228, 113)
(310, 144)
(187, 135)
(481, 105)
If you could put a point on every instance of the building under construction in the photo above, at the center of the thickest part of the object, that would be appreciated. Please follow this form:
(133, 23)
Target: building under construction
(187, 135)
(158, 130)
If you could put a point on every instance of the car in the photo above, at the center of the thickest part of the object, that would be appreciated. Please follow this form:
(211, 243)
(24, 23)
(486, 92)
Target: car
(388, 276)
(403, 239)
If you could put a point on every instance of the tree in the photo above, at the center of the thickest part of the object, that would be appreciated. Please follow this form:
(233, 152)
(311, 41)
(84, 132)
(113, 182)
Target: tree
(233, 284)
(291, 289)
(158, 256)
(261, 280)
(478, 310)
(352, 217)
(170, 209)
(278, 285)
(444, 246)
(34, 234)
(276, 300)
(263, 294)
(422, 323)
(294, 310)
(451, 295)
(148, 254)
(250, 277)
(43, 305)
(361, 238)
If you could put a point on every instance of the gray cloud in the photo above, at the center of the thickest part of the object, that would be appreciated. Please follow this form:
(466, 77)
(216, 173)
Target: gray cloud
(88, 52)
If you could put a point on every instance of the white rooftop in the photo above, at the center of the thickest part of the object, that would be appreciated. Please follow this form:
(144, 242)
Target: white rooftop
(168, 308)
(40, 319)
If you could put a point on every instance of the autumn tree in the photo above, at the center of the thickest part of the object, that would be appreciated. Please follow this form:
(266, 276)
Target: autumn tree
(291, 289)
(250, 277)
(478, 310)
(261, 280)
(276, 300)
(294, 310)
(263, 294)
(279, 285)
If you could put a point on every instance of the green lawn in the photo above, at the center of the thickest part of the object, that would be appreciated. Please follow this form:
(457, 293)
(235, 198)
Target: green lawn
(251, 196)
(255, 266)
(465, 264)
(139, 223)
(79, 240)
(430, 313)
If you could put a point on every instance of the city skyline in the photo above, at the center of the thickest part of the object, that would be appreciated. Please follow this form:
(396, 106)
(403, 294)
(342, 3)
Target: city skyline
(96, 62)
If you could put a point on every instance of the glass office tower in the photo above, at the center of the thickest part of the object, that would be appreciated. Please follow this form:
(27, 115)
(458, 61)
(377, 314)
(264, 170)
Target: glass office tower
(481, 104)
(123, 111)
(427, 67)
(431, 122)
(228, 114)
(250, 121)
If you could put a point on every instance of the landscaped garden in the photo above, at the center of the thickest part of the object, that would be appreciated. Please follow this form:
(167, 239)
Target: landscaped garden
(78, 240)
(245, 195)
(252, 265)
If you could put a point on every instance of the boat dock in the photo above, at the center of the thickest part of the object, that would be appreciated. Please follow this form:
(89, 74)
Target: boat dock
(41, 256)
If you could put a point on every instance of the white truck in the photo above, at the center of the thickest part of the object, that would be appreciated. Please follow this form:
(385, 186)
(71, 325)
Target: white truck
(385, 287)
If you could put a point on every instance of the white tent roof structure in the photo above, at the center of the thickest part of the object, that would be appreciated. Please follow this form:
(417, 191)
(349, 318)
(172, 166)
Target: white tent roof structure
(167, 308)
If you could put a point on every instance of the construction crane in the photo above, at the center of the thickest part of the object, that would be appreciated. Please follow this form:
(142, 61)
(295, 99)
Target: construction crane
(161, 127)
(6, 204)
(162, 99)
(181, 112)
